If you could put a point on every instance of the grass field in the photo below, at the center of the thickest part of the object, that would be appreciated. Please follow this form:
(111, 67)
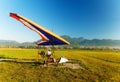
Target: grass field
(99, 66)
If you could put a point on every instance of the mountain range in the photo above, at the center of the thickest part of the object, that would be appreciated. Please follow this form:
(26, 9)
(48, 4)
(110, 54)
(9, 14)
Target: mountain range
(74, 42)
(94, 42)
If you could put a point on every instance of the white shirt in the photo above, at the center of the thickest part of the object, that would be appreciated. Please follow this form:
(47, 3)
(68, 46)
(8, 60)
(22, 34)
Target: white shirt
(49, 53)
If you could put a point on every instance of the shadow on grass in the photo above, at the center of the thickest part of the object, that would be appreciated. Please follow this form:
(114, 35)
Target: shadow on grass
(22, 61)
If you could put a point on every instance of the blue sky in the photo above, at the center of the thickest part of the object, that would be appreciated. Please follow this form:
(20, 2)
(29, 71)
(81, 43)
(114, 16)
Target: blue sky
(91, 19)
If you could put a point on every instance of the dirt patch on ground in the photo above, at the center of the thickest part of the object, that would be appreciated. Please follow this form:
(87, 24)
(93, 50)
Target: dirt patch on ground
(73, 66)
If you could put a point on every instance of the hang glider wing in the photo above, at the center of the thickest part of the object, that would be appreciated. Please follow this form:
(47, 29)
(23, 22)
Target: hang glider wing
(48, 38)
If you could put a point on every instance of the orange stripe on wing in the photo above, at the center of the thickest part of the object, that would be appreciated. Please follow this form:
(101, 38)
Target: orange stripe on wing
(44, 38)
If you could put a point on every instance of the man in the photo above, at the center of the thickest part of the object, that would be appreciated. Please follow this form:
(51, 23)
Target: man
(48, 54)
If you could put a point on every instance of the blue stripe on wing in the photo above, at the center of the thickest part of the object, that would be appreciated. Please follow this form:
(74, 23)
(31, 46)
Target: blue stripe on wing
(52, 40)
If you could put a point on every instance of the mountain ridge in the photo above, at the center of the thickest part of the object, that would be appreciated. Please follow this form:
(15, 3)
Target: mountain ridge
(80, 41)
(93, 42)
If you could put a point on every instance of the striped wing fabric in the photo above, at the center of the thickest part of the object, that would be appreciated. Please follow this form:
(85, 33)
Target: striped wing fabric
(48, 37)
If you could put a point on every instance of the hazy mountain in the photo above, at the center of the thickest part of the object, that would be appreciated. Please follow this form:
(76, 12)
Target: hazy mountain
(7, 43)
(11, 43)
(94, 42)
(74, 42)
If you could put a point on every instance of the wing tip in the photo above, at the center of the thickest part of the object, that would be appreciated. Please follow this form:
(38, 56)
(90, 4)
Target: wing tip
(14, 15)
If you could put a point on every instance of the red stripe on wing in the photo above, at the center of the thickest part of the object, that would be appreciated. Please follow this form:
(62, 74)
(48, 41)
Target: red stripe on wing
(14, 16)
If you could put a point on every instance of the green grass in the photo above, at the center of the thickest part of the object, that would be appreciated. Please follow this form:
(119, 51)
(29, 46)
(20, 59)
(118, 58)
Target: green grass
(100, 66)
(18, 53)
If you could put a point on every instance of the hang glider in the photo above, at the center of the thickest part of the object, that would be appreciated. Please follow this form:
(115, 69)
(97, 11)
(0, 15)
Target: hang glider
(48, 37)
